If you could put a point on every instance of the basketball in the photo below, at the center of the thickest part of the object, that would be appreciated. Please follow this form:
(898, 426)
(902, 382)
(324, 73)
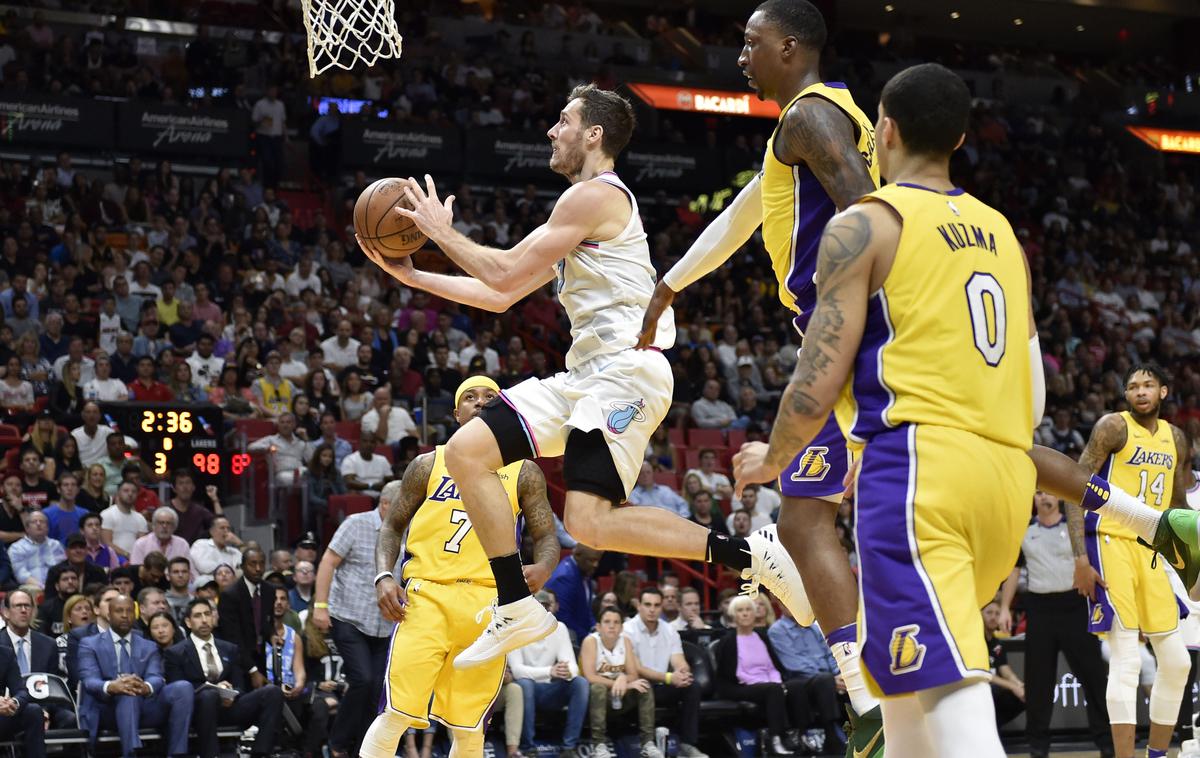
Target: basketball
(394, 235)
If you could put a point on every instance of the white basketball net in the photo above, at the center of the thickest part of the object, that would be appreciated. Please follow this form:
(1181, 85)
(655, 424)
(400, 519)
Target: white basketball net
(343, 32)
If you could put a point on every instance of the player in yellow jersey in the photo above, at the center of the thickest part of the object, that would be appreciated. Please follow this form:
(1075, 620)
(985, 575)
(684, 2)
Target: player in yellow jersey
(820, 159)
(919, 338)
(446, 580)
(1139, 452)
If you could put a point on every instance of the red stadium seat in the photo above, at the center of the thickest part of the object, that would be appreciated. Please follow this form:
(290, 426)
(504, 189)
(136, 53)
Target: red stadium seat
(675, 437)
(10, 460)
(387, 452)
(706, 438)
(668, 478)
(254, 428)
(349, 431)
(341, 506)
(737, 438)
(9, 434)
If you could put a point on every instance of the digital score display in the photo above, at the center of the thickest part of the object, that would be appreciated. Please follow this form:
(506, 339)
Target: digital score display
(171, 437)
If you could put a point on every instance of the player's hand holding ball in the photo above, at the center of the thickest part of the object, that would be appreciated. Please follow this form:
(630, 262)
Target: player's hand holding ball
(423, 208)
(391, 598)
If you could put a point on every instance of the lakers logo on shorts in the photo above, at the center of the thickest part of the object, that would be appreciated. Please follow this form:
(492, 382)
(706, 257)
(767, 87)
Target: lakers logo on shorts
(624, 414)
(907, 653)
(813, 465)
(1097, 614)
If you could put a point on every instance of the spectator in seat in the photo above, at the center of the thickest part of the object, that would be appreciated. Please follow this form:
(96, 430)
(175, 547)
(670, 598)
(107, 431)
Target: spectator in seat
(245, 615)
(202, 659)
(179, 577)
(161, 629)
(50, 612)
(35, 652)
(77, 559)
(300, 596)
(78, 613)
(122, 526)
(328, 685)
(341, 350)
(740, 524)
(16, 395)
(215, 550)
(389, 423)
(64, 516)
(689, 611)
(18, 713)
(99, 554)
(670, 602)
(34, 554)
(284, 652)
(548, 676)
(810, 667)
(105, 388)
(12, 522)
(661, 662)
(123, 686)
(194, 517)
(98, 624)
(147, 499)
(363, 471)
(151, 573)
(328, 437)
(1008, 691)
(648, 492)
(91, 435)
(324, 479)
(146, 388)
(151, 602)
(710, 411)
(124, 361)
(571, 584)
(206, 367)
(285, 450)
(114, 462)
(272, 393)
(161, 539)
(344, 600)
(36, 490)
(702, 512)
(610, 665)
(712, 480)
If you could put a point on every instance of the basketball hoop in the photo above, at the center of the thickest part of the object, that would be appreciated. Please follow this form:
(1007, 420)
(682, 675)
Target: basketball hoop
(343, 32)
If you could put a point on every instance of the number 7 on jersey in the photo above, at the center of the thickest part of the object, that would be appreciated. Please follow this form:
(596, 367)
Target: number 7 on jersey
(458, 516)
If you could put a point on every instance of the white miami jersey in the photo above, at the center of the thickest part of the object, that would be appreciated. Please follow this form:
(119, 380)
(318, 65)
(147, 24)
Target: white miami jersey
(605, 287)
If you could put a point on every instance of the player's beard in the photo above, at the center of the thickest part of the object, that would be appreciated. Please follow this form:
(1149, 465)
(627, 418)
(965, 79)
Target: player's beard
(1147, 416)
(568, 160)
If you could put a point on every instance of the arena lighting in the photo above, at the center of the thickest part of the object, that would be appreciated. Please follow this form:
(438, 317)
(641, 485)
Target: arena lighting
(955, 15)
(889, 8)
(724, 102)
(1168, 140)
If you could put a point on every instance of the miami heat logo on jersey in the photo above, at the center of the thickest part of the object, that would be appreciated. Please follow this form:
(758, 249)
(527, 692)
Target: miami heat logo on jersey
(813, 465)
(624, 414)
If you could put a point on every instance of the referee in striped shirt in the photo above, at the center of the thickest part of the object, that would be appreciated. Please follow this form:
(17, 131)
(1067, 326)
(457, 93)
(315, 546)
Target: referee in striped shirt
(1057, 619)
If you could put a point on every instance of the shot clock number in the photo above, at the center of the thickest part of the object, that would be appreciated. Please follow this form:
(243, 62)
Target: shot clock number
(170, 422)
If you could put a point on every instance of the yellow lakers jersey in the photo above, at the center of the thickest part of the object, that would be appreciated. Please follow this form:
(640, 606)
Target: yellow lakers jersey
(795, 207)
(440, 545)
(945, 341)
(1145, 465)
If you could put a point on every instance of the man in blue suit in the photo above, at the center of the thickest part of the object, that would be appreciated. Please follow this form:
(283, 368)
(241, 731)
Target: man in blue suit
(123, 685)
(100, 601)
(17, 712)
(571, 584)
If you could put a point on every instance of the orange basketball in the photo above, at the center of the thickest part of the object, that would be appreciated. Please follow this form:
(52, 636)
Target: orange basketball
(394, 235)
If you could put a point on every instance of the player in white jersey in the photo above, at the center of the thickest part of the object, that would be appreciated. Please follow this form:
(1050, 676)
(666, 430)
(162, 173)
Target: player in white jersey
(599, 413)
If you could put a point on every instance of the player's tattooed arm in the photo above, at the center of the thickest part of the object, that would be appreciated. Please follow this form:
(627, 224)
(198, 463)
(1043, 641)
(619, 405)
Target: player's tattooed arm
(539, 520)
(820, 135)
(1183, 468)
(1108, 435)
(843, 277)
(413, 487)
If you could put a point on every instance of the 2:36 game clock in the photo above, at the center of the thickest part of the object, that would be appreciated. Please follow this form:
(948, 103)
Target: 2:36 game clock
(176, 436)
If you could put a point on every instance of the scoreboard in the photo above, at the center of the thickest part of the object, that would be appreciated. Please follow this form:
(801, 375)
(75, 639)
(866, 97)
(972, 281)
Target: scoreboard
(174, 436)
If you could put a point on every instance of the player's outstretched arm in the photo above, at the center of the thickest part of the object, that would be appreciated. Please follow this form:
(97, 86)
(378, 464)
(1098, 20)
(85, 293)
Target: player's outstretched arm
(461, 289)
(819, 134)
(580, 211)
(539, 520)
(715, 245)
(413, 488)
(1108, 435)
(850, 245)
(1183, 468)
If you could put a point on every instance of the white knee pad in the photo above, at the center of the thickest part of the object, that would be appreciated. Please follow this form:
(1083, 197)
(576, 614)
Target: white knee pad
(466, 743)
(1174, 665)
(383, 737)
(1124, 665)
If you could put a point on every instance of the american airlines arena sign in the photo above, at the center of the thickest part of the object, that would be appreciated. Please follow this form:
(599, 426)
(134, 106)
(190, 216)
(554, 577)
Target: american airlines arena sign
(722, 102)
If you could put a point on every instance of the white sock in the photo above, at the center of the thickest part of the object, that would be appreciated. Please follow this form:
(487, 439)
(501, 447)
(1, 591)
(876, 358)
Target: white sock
(1130, 512)
(844, 646)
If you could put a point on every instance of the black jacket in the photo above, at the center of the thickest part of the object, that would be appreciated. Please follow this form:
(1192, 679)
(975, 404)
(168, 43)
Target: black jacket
(726, 653)
(181, 662)
(236, 623)
(43, 656)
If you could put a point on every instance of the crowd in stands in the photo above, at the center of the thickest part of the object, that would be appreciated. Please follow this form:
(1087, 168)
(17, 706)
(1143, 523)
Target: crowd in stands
(141, 283)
